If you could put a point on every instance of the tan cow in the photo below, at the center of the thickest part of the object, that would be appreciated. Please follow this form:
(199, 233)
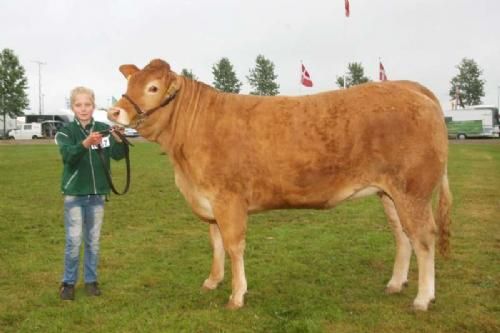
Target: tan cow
(238, 154)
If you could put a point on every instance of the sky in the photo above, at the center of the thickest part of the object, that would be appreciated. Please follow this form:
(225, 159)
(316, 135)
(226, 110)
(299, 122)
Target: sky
(84, 42)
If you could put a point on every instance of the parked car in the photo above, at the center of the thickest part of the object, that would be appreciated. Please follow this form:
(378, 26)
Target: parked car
(130, 132)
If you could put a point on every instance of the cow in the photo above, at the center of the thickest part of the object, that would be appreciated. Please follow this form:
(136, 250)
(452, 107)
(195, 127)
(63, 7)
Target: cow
(234, 155)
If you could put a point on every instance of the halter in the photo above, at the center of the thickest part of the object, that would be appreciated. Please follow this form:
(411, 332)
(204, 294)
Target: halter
(142, 115)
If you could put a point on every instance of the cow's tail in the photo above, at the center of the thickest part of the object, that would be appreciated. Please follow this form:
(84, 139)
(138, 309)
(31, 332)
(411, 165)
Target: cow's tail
(443, 216)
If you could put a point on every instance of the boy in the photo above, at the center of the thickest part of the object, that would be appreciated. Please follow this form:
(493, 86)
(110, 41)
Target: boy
(84, 187)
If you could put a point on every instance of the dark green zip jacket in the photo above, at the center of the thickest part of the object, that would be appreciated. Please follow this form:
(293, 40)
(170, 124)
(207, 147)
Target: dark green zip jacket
(83, 173)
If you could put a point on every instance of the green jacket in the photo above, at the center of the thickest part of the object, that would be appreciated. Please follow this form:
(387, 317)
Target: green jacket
(83, 173)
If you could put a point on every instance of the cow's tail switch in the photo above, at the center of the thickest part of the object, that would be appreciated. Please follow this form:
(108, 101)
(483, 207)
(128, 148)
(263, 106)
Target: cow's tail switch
(443, 216)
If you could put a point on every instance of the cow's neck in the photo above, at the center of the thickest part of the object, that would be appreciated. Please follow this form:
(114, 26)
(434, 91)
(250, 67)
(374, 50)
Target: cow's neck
(178, 121)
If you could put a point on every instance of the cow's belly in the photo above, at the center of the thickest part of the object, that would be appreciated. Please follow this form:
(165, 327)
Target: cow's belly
(352, 193)
(312, 198)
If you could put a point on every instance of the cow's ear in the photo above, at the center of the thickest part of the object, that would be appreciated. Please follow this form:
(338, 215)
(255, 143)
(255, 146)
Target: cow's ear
(128, 70)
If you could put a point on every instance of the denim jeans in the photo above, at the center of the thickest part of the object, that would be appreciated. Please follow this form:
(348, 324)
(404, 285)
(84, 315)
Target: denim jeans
(83, 216)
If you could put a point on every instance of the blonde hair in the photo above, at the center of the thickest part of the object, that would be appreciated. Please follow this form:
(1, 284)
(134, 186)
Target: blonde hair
(81, 90)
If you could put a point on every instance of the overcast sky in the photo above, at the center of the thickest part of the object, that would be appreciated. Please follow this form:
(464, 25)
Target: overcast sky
(84, 42)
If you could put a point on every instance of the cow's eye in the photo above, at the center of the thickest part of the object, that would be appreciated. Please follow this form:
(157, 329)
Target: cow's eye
(153, 89)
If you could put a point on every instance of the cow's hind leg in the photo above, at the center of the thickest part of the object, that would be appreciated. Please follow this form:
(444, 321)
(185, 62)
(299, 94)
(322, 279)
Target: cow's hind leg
(403, 248)
(217, 270)
(231, 217)
(418, 222)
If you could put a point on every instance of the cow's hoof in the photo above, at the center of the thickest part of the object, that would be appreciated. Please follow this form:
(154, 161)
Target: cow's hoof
(204, 289)
(209, 285)
(394, 289)
(233, 305)
(421, 305)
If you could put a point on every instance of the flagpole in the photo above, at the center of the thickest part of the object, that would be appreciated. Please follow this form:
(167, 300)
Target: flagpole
(347, 14)
(300, 81)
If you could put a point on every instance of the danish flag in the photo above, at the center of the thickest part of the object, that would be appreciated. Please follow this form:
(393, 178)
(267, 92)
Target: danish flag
(347, 12)
(305, 78)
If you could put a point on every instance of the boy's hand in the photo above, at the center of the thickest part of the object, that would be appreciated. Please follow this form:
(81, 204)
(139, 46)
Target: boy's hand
(117, 129)
(94, 138)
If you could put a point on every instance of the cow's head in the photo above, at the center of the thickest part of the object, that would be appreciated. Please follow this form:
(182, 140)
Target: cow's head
(148, 91)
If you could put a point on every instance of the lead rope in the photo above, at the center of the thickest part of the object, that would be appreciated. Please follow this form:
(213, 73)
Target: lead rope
(107, 171)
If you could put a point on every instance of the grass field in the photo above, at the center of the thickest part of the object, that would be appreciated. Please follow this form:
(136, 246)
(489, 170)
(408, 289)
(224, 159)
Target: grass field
(307, 271)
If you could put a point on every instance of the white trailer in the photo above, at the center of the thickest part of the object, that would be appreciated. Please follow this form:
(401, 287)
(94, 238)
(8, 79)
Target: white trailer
(476, 121)
(10, 124)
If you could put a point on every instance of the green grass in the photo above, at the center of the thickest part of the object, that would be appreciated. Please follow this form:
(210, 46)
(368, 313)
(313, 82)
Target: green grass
(307, 271)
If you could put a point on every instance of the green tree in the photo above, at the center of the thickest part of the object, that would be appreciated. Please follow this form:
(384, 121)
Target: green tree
(189, 74)
(13, 85)
(355, 75)
(262, 78)
(224, 77)
(468, 83)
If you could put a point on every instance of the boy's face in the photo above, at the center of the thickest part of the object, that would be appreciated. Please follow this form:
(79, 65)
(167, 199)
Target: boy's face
(83, 108)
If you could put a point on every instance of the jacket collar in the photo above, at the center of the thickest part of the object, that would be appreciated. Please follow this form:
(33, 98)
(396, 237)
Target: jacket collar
(87, 129)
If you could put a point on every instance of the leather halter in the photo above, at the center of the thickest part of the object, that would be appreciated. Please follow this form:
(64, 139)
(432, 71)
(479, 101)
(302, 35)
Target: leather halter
(142, 115)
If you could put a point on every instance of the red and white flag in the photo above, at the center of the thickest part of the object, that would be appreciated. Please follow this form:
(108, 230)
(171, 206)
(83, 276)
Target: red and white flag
(347, 11)
(381, 72)
(305, 79)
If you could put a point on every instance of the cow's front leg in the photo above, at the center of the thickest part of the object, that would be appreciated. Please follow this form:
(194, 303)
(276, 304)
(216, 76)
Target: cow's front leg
(231, 217)
(217, 271)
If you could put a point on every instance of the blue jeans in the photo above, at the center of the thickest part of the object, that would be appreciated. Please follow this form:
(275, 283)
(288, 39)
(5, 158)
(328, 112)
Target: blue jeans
(83, 215)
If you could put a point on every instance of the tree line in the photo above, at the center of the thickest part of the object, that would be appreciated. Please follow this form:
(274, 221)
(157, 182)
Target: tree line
(467, 86)
(261, 78)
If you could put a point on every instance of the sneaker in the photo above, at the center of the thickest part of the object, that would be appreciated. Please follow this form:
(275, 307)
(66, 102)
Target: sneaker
(92, 289)
(67, 292)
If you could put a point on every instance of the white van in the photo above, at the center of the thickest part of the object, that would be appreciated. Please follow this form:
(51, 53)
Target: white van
(26, 132)
(46, 129)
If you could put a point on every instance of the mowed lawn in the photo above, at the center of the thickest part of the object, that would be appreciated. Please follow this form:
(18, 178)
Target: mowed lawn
(307, 271)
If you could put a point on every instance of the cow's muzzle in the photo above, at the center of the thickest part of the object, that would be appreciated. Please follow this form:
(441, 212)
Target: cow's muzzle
(119, 116)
